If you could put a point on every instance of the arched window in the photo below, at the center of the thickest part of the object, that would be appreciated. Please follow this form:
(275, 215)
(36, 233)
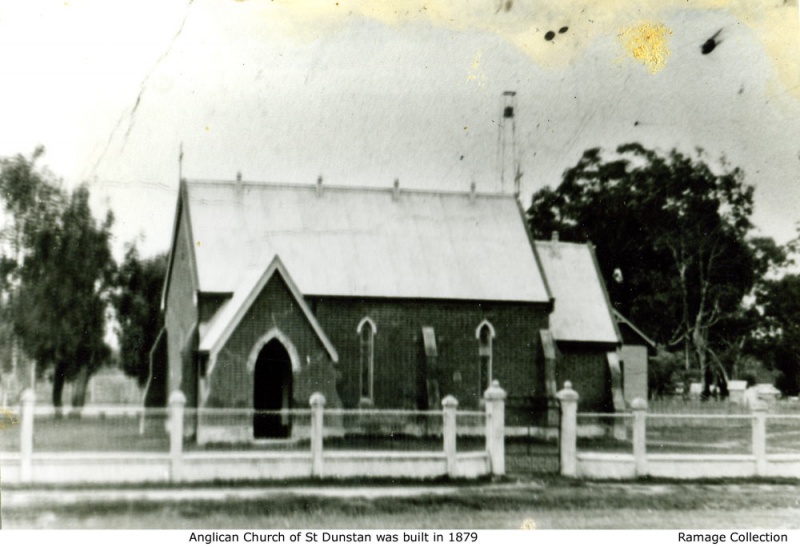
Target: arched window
(485, 334)
(366, 336)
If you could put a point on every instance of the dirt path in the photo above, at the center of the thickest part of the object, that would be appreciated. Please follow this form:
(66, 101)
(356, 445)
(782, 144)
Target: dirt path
(550, 504)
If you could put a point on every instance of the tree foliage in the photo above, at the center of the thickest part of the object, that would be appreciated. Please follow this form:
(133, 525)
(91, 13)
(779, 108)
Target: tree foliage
(778, 340)
(57, 267)
(672, 240)
(28, 194)
(64, 294)
(137, 302)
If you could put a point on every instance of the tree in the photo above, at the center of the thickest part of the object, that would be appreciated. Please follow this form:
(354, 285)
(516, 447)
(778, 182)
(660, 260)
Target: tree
(29, 193)
(137, 301)
(671, 236)
(61, 310)
(779, 339)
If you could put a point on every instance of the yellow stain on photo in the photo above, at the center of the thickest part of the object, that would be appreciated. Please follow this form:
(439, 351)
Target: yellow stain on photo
(647, 43)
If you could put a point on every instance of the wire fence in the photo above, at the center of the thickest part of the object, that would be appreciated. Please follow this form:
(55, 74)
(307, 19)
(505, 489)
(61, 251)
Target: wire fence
(247, 429)
(783, 434)
(604, 432)
(686, 433)
(97, 429)
(699, 433)
(696, 406)
(394, 430)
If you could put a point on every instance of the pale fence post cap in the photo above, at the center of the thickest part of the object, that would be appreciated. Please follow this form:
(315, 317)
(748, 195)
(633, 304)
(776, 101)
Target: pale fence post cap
(317, 399)
(494, 392)
(177, 398)
(567, 394)
(638, 404)
(28, 396)
(449, 402)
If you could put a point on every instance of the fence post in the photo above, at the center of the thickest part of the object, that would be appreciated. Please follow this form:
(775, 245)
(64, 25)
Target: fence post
(26, 435)
(177, 402)
(568, 436)
(759, 409)
(495, 398)
(639, 408)
(317, 402)
(449, 406)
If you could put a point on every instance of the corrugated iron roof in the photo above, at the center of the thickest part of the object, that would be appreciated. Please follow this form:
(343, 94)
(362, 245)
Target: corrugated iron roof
(582, 312)
(364, 242)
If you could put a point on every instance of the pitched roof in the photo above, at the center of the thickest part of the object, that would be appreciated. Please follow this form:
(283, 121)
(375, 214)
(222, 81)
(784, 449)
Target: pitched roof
(364, 242)
(216, 332)
(582, 310)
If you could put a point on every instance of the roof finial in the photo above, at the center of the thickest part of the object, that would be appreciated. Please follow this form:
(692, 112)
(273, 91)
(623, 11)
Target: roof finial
(396, 190)
(319, 185)
(472, 191)
(180, 162)
(239, 186)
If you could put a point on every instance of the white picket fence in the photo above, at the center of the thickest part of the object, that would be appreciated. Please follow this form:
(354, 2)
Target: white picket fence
(174, 461)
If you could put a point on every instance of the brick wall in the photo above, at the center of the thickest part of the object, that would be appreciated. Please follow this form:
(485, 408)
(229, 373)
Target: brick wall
(399, 350)
(586, 366)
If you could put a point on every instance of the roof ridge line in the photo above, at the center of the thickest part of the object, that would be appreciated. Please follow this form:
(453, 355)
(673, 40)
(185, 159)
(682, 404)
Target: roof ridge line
(341, 187)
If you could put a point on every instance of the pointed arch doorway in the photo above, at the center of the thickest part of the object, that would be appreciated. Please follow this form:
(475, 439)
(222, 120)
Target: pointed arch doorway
(272, 391)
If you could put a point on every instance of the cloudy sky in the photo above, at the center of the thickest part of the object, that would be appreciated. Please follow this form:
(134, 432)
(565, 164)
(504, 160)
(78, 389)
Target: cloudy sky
(363, 92)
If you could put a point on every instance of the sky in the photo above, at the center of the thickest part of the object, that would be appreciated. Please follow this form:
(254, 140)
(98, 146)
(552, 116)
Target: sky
(366, 92)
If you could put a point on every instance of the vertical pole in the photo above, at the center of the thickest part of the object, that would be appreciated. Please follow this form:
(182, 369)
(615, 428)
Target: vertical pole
(568, 436)
(495, 398)
(317, 403)
(26, 435)
(639, 407)
(759, 409)
(177, 402)
(449, 406)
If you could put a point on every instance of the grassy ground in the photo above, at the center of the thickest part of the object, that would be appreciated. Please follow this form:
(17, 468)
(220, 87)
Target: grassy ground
(554, 503)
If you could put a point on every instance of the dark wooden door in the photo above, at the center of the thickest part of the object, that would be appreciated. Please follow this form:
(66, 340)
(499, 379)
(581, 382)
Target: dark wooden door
(272, 392)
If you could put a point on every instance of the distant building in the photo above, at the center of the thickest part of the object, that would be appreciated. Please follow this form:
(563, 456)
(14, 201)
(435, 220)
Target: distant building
(380, 297)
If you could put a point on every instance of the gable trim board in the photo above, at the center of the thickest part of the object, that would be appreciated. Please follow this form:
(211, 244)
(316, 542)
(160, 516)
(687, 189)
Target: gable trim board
(625, 321)
(230, 314)
(181, 216)
(609, 307)
(538, 260)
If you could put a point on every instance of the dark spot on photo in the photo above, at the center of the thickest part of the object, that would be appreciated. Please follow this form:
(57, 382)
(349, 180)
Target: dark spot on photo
(550, 35)
(710, 44)
(562, 30)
